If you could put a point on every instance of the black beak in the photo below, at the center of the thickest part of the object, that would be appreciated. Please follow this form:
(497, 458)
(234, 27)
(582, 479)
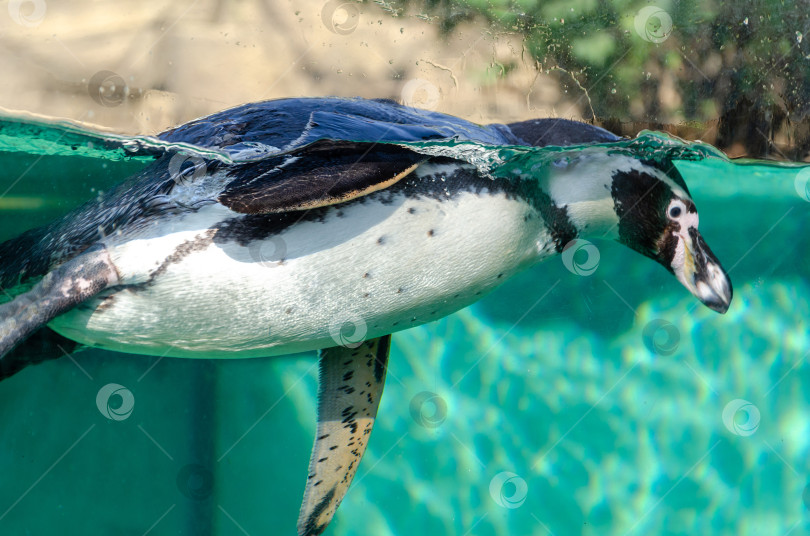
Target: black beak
(700, 272)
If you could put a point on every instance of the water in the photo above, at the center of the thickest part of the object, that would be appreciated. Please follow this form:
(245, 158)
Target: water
(559, 404)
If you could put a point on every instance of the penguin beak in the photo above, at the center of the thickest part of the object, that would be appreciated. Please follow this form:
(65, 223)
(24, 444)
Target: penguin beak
(700, 272)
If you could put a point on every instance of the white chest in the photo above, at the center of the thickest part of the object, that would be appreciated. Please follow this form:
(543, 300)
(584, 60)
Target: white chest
(366, 269)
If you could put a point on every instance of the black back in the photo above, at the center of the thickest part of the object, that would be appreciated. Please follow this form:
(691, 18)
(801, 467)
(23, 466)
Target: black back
(261, 130)
(558, 132)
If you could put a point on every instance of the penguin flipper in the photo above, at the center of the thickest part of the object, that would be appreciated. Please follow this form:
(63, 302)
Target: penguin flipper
(59, 291)
(323, 173)
(351, 383)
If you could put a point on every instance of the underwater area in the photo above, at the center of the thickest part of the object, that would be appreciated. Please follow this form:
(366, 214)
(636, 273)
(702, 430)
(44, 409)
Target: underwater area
(588, 395)
(572, 400)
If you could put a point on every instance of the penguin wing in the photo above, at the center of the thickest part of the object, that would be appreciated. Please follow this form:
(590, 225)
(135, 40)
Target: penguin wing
(323, 173)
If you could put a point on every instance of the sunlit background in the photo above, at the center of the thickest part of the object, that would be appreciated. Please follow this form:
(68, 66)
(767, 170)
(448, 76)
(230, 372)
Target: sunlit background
(607, 403)
(731, 73)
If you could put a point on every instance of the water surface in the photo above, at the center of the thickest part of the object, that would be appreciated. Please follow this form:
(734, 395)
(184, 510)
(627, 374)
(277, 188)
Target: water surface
(607, 404)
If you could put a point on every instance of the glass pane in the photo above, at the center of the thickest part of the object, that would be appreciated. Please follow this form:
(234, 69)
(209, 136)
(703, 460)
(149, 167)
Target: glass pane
(588, 394)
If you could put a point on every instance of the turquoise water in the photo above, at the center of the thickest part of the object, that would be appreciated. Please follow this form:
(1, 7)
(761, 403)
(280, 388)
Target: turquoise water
(560, 404)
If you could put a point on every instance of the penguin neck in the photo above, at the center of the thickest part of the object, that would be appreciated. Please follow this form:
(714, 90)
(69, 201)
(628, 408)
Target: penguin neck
(581, 192)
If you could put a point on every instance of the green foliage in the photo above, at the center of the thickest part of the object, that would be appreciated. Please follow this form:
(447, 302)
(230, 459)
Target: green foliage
(723, 56)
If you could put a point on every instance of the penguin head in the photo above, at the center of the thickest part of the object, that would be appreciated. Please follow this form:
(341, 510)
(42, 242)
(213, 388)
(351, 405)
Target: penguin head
(658, 218)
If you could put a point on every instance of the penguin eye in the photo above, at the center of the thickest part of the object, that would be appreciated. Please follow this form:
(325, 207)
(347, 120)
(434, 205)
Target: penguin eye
(674, 212)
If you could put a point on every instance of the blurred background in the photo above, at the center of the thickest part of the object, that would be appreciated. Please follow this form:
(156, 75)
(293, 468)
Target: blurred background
(735, 74)
(560, 404)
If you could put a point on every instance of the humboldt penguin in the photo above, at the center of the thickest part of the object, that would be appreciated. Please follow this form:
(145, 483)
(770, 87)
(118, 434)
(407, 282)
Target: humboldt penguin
(329, 224)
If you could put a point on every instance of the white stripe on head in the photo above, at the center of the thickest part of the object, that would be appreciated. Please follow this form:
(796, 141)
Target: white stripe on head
(582, 182)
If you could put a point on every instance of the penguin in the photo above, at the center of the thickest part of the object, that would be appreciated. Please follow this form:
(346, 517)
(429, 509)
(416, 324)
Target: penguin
(328, 224)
